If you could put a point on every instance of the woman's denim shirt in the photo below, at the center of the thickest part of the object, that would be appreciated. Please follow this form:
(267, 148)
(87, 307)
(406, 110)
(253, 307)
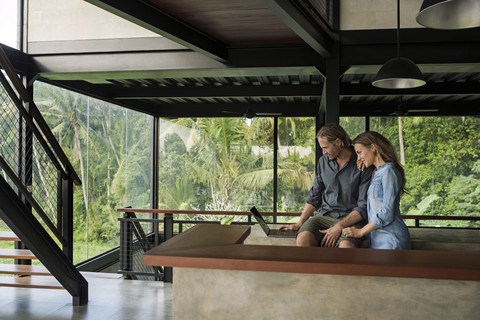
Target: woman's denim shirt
(383, 206)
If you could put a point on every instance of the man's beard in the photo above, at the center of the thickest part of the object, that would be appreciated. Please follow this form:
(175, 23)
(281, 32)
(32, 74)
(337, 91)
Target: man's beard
(336, 153)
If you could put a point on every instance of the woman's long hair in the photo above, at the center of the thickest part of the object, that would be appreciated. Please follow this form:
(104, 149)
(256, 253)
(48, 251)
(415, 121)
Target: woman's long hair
(383, 149)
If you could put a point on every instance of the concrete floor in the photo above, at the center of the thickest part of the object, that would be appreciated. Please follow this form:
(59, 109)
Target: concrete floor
(109, 299)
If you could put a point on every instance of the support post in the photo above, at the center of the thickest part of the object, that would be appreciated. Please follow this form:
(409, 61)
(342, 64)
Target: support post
(126, 244)
(168, 234)
(275, 167)
(67, 215)
(332, 87)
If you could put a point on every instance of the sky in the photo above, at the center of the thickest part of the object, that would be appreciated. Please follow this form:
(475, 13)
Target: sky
(8, 22)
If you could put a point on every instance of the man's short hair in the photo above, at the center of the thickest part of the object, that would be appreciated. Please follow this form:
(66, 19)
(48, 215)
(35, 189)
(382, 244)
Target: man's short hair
(332, 131)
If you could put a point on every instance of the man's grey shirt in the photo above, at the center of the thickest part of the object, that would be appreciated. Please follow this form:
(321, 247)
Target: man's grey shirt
(340, 191)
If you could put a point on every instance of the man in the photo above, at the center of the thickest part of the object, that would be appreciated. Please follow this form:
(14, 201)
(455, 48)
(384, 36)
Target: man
(339, 194)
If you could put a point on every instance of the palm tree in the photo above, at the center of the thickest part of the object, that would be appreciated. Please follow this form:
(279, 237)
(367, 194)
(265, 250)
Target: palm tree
(224, 162)
(64, 111)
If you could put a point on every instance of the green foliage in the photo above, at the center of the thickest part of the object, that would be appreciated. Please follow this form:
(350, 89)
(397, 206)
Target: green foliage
(424, 205)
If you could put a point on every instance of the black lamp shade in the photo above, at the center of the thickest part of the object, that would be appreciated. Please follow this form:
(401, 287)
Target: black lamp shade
(399, 73)
(449, 14)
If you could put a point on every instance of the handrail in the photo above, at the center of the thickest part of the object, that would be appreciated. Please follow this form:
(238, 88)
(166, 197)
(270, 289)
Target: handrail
(29, 121)
(284, 214)
(222, 213)
(25, 96)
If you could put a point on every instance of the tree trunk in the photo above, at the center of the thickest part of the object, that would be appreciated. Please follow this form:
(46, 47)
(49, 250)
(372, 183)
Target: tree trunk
(400, 140)
(82, 169)
(106, 128)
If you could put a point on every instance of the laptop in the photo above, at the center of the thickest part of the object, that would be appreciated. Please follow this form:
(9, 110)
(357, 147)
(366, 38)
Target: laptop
(272, 232)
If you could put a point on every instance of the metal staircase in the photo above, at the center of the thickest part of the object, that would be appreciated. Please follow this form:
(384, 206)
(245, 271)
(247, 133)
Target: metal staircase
(36, 195)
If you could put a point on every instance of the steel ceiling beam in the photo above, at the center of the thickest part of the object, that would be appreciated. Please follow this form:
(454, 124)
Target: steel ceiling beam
(160, 22)
(423, 46)
(302, 25)
(429, 89)
(235, 109)
(429, 53)
(99, 67)
(120, 64)
(215, 91)
(391, 108)
(274, 56)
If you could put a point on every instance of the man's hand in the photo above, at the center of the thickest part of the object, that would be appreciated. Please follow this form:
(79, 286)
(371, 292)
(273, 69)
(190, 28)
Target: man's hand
(352, 232)
(331, 236)
(295, 226)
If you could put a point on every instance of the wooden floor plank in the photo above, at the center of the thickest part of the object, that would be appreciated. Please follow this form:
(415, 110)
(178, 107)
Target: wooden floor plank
(30, 282)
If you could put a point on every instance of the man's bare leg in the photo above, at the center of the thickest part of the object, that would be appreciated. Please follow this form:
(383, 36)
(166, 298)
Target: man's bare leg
(346, 244)
(306, 239)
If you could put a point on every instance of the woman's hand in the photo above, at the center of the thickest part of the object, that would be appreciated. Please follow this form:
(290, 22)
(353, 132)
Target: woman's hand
(352, 232)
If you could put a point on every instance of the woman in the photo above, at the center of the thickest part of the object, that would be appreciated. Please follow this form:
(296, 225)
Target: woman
(386, 227)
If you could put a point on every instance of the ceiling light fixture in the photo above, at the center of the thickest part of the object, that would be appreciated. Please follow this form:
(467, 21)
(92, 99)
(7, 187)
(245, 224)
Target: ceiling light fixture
(449, 14)
(399, 72)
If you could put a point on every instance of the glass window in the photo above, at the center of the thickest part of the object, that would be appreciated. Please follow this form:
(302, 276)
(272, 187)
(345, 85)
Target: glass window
(353, 125)
(110, 149)
(296, 163)
(216, 164)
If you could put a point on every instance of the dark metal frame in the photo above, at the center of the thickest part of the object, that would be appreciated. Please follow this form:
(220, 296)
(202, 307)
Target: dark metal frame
(16, 205)
(24, 224)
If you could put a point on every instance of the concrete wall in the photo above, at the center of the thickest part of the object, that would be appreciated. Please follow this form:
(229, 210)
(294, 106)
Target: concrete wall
(378, 14)
(230, 294)
(67, 20)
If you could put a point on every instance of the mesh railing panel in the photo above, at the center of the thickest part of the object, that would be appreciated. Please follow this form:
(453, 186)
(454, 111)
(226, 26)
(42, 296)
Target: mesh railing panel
(9, 127)
(26, 157)
(44, 181)
(137, 264)
(132, 248)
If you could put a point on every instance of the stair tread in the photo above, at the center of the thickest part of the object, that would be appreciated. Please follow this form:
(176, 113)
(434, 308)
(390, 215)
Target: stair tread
(8, 236)
(24, 269)
(30, 282)
(16, 254)
(90, 274)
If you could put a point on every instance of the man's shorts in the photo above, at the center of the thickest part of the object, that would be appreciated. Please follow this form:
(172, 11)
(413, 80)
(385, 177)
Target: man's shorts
(319, 222)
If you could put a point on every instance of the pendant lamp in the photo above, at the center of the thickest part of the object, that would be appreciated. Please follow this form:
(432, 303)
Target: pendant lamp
(399, 72)
(449, 14)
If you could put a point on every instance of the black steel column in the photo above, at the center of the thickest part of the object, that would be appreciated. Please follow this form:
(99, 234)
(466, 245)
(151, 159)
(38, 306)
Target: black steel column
(67, 215)
(275, 166)
(154, 173)
(168, 233)
(332, 86)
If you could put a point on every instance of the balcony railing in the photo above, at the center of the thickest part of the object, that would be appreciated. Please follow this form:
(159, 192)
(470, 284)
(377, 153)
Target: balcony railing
(154, 226)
